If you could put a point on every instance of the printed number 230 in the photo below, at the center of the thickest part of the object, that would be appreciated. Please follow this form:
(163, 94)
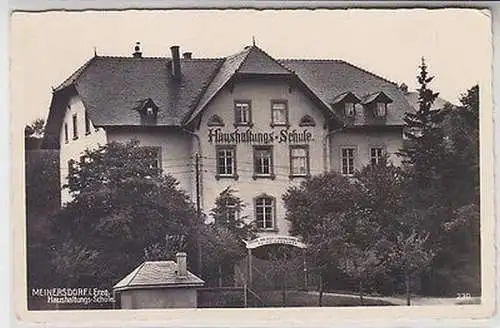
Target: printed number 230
(463, 295)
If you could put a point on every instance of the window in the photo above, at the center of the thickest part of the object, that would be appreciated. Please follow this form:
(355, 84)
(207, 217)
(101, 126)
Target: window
(263, 162)
(299, 161)
(71, 166)
(376, 154)
(87, 124)
(226, 162)
(215, 120)
(75, 127)
(307, 120)
(231, 213)
(349, 109)
(66, 134)
(264, 212)
(279, 113)
(153, 156)
(381, 109)
(242, 113)
(348, 160)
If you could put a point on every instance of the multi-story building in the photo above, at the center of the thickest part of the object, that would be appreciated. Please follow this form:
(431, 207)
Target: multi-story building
(251, 122)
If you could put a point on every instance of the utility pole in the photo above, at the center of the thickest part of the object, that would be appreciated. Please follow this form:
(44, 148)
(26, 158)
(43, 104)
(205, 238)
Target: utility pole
(198, 211)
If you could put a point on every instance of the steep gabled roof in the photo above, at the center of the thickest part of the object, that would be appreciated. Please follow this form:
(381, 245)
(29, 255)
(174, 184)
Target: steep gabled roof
(376, 96)
(111, 87)
(331, 78)
(157, 274)
(251, 61)
(257, 61)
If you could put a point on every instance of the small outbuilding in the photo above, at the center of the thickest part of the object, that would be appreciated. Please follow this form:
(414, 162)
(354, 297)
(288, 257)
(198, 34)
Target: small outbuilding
(159, 284)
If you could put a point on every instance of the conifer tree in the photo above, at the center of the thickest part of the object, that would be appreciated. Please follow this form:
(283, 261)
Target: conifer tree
(425, 147)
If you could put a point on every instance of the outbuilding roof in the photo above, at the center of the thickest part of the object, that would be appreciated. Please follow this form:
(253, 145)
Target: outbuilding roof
(412, 97)
(157, 274)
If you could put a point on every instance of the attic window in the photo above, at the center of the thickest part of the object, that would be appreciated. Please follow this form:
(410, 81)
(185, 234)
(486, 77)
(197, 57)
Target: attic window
(215, 120)
(307, 120)
(148, 111)
(349, 109)
(381, 109)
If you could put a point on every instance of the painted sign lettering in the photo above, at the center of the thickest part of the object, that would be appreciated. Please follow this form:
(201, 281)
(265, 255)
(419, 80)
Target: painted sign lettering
(269, 240)
(236, 136)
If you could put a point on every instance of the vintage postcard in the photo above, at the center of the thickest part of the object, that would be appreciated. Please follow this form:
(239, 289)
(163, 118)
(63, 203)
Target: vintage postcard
(246, 167)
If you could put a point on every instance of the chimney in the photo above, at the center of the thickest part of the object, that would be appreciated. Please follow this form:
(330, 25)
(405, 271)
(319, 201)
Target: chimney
(187, 55)
(403, 87)
(137, 50)
(181, 264)
(176, 62)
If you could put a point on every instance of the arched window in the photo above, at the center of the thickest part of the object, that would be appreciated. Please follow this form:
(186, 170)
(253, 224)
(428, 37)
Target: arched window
(215, 120)
(265, 211)
(307, 120)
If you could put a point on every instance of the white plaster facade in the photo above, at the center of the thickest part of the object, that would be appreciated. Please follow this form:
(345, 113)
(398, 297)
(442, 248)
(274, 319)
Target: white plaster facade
(178, 146)
(260, 94)
(73, 147)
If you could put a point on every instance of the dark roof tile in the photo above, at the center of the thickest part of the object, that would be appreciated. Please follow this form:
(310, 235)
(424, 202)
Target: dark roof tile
(157, 274)
(331, 78)
(111, 87)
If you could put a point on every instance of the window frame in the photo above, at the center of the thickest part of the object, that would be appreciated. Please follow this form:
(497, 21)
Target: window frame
(354, 159)
(159, 155)
(272, 212)
(377, 111)
(346, 112)
(236, 112)
(218, 175)
(382, 153)
(269, 175)
(88, 128)
(308, 162)
(66, 132)
(74, 119)
(234, 210)
(286, 123)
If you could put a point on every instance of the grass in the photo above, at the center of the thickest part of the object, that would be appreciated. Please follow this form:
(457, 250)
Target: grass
(234, 298)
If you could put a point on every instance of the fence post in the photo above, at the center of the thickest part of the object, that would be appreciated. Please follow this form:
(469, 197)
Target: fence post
(245, 295)
(250, 269)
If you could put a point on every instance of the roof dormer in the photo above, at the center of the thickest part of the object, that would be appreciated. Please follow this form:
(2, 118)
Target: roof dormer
(148, 111)
(345, 103)
(376, 103)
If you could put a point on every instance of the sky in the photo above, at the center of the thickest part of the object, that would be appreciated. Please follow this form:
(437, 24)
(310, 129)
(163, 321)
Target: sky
(46, 47)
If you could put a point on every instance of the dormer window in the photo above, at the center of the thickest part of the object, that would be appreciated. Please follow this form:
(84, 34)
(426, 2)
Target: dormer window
(377, 103)
(345, 103)
(381, 109)
(349, 109)
(148, 111)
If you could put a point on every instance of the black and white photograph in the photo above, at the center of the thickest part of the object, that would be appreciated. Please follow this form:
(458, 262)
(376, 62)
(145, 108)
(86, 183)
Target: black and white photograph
(253, 160)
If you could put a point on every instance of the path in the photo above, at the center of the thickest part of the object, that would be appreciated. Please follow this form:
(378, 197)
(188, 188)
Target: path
(416, 300)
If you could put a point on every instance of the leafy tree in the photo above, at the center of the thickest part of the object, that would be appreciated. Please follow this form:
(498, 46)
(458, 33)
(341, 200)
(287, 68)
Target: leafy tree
(42, 186)
(410, 254)
(335, 217)
(227, 213)
(223, 240)
(35, 129)
(122, 205)
(222, 249)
